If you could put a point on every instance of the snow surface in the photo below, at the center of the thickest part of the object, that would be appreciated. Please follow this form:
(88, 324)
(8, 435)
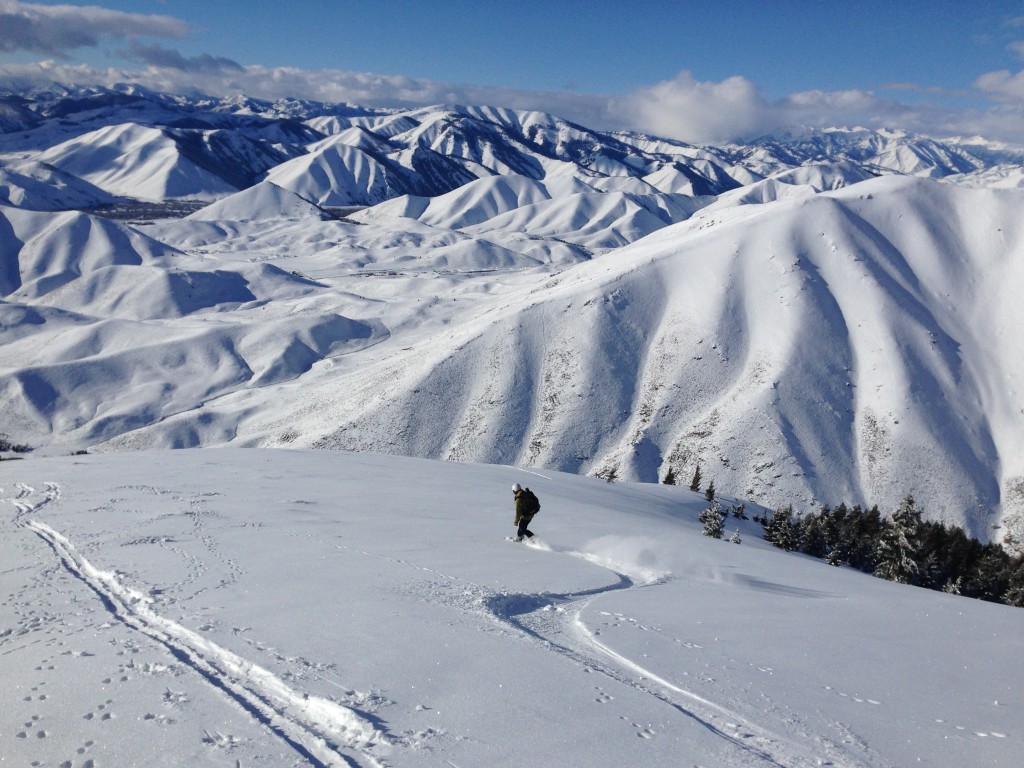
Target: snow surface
(266, 607)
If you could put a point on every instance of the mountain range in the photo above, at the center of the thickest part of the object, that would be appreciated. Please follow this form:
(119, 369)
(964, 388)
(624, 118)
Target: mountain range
(821, 318)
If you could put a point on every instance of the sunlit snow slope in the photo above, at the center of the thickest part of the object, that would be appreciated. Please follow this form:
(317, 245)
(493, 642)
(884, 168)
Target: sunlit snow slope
(335, 610)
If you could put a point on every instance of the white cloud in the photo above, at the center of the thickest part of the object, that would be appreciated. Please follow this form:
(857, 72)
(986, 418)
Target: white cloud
(1003, 85)
(685, 108)
(55, 30)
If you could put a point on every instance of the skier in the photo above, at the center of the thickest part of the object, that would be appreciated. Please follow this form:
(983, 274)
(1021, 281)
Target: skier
(526, 507)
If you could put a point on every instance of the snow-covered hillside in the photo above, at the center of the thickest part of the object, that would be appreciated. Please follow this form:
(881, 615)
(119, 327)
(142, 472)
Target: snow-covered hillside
(812, 320)
(273, 608)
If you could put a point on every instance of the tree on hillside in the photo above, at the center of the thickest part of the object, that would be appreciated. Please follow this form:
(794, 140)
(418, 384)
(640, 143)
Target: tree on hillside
(782, 530)
(713, 519)
(670, 477)
(1014, 594)
(812, 536)
(739, 511)
(990, 579)
(709, 492)
(860, 533)
(905, 549)
(897, 549)
(7, 445)
(695, 482)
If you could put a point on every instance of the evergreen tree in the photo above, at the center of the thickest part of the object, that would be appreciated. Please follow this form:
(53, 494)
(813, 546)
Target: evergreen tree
(1014, 594)
(860, 536)
(832, 522)
(735, 538)
(782, 530)
(695, 482)
(739, 511)
(933, 540)
(931, 574)
(713, 520)
(990, 578)
(709, 492)
(961, 556)
(812, 537)
(904, 548)
(670, 477)
(896, 552)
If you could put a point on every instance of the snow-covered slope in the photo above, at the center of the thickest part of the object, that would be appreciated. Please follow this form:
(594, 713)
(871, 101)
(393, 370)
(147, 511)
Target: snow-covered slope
(42, 252)
(829, 348)
(135, 161)
(335, 174)
(262, 201)
(270, 608)
(38, 186)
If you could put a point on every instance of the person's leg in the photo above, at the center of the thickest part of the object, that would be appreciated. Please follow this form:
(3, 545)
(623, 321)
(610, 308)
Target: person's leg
(523, 528)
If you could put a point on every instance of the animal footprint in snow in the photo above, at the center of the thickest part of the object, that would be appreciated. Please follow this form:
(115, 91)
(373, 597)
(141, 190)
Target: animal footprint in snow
(602, 697)
(857, 699)
(217, 739)
(175, 698)
(101, 712)
(643, 731)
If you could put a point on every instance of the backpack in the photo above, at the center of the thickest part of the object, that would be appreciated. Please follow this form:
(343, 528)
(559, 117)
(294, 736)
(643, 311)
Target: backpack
(531, 504)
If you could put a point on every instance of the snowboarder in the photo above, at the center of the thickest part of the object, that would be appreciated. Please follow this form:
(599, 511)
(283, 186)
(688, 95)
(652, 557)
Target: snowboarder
(526, 507)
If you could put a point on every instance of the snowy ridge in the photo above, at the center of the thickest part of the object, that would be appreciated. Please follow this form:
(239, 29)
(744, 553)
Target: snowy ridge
(135, 161)
(141, 144)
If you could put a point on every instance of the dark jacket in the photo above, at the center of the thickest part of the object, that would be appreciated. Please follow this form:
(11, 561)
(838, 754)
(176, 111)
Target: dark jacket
(521, 508)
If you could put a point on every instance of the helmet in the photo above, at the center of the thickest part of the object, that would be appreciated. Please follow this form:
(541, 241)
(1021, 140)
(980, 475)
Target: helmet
(516, 488)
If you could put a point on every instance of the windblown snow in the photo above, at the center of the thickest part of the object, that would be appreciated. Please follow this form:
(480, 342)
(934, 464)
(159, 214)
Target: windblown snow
(826, 318)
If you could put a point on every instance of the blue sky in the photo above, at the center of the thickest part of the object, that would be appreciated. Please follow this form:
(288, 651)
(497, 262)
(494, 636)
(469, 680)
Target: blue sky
(699, 71)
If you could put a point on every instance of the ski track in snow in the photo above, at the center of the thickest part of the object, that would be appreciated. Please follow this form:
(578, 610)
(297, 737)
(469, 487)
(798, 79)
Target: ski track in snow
(556, 620)
(329, 734)
(325, 733)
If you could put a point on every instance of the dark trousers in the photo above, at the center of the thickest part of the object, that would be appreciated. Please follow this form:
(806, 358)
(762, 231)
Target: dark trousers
(523, 523)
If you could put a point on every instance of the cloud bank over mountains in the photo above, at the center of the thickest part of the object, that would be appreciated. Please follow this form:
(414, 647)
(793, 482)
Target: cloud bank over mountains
(55, 30)
(682, 107)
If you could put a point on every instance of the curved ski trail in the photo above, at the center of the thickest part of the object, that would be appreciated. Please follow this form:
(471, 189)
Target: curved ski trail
(325, 733)
(556, 620)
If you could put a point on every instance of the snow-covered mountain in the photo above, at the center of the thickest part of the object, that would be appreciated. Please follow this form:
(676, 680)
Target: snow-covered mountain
(148, 145)
(812, 319)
